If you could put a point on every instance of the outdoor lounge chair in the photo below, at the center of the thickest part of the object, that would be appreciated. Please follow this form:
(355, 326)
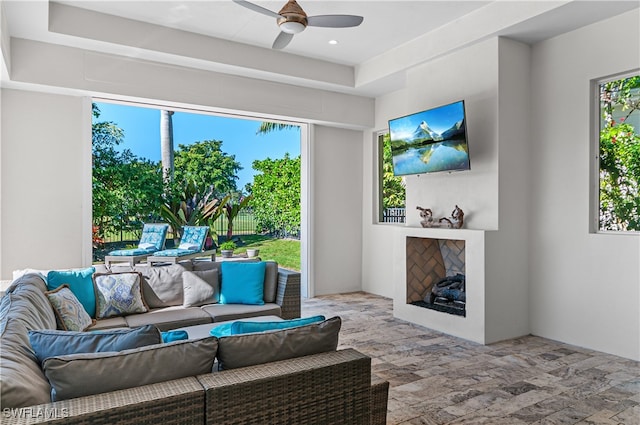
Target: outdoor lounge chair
(191, 246)
(152, 240)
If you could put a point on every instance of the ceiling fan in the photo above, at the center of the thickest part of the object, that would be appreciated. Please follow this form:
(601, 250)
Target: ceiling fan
(292, 20)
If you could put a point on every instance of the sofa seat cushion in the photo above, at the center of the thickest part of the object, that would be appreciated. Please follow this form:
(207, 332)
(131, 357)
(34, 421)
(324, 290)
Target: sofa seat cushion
(108, 323)
(78, 375)
(169, 318)
(258, 348)
(224, 312)
(24, 307)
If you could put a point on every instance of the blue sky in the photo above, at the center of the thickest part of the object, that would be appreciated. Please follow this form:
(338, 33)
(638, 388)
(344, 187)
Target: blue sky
(142, 135)
(439, 119)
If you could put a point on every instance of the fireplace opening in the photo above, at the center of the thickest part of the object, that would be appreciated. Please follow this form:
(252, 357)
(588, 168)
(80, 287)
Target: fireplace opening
(436, 274)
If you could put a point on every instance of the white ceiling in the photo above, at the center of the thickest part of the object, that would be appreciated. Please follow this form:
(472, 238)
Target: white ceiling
(394, 36)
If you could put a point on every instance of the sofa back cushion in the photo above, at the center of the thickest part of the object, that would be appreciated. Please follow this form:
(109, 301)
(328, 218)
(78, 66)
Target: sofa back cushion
(162, 285)
(51, 343)
(258, 348)
(78, 375)
(270, 275)
(24, 307)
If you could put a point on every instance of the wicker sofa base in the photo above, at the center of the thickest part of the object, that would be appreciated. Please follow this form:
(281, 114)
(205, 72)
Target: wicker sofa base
(322, 389)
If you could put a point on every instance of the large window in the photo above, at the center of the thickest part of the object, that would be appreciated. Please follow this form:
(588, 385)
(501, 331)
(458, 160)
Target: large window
(619, 153)
(391, 189)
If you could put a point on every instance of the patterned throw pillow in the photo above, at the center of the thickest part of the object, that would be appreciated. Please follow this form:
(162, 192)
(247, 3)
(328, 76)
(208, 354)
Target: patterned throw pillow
(118, 294)
(70, 314)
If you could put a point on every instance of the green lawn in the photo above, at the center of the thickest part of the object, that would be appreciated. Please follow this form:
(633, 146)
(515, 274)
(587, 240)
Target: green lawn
(286, 252)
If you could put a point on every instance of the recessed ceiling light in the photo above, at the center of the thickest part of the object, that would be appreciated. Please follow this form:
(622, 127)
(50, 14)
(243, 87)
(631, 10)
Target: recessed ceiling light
(333, 41)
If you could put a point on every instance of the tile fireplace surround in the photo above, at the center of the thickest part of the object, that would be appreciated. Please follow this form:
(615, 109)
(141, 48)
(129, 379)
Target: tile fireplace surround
(496, 297)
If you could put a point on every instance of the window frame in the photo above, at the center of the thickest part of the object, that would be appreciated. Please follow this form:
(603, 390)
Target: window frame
(596, 118)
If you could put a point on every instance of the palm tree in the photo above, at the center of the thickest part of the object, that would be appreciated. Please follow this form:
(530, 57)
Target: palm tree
(166, 144)
(268, 127)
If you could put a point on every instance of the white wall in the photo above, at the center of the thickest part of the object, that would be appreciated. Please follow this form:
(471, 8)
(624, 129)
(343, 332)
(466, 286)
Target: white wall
(45, 155)
(335, 153)
(337, 206)
(584, 287)
(439, 82)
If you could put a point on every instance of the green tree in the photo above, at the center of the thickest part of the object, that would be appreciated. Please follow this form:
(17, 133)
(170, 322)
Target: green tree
(127, 190)
(276, 195)
(620, 155)
(205, 165)
(393, 189)
(231, 210)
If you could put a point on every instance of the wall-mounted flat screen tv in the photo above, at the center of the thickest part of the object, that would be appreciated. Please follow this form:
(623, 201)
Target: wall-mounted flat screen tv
(430, 141)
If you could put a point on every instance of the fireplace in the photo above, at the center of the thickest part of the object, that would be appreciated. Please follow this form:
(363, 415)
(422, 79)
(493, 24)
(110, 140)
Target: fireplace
(435, 271)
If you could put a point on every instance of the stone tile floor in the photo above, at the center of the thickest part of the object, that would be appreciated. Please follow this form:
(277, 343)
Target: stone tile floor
(440, 379)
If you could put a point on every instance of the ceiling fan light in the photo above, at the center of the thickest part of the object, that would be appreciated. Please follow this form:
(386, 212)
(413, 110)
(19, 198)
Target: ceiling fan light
(292, 27)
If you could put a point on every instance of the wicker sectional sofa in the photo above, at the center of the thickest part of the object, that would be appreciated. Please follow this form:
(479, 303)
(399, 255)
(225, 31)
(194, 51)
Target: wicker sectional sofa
(333, 387)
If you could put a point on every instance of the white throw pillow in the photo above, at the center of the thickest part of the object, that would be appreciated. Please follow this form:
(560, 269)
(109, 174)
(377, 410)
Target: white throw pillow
(189, 246)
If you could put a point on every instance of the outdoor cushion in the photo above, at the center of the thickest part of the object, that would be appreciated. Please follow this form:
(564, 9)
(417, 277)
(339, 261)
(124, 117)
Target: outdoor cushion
(172, 336)
(175, 252)
(118, 294)
(79, 282)
(225, 312)
(170, 317)
(51, 343)
(23, 307)
(70, 313)
(270, 276)
(131, 252)
(162, 285)
(257, 348)
(108, 323)
(200, 287)
(242, 283)
(245, 327)
(77, 375)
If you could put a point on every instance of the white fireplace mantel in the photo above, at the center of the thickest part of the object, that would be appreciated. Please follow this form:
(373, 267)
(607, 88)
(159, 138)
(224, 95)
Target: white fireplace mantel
(486, 288)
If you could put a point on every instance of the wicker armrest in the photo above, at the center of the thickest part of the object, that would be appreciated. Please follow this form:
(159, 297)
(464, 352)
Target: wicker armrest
(180, 401)
(288, 294)
(319, 389)
(379, 400)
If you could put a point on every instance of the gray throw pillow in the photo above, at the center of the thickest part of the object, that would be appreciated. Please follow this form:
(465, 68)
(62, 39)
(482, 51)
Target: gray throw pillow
(258, 348)
(77, 375)
(51, 343)
(200, 287)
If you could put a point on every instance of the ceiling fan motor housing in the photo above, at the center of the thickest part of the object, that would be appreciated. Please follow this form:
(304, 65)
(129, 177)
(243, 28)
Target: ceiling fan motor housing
(292, 19)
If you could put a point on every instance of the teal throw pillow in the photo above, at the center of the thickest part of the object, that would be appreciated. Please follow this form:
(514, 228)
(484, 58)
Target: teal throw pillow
(242, 283)
(50, 343)
(221, 330)
(80, 283)
(171, 336)
(238, 328)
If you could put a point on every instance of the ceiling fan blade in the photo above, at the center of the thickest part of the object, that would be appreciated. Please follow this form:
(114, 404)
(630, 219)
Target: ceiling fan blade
(282, 40)
(257, 8)
(334, 21)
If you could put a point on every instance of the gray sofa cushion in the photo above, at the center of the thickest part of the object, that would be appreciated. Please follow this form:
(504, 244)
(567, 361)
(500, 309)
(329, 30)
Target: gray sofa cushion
(162, 285)
(23, 308)
(170, 318)
(51, 343)
(77, 375)
(200, 287)
(108, 323)
(258, 348)
(224, 312)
